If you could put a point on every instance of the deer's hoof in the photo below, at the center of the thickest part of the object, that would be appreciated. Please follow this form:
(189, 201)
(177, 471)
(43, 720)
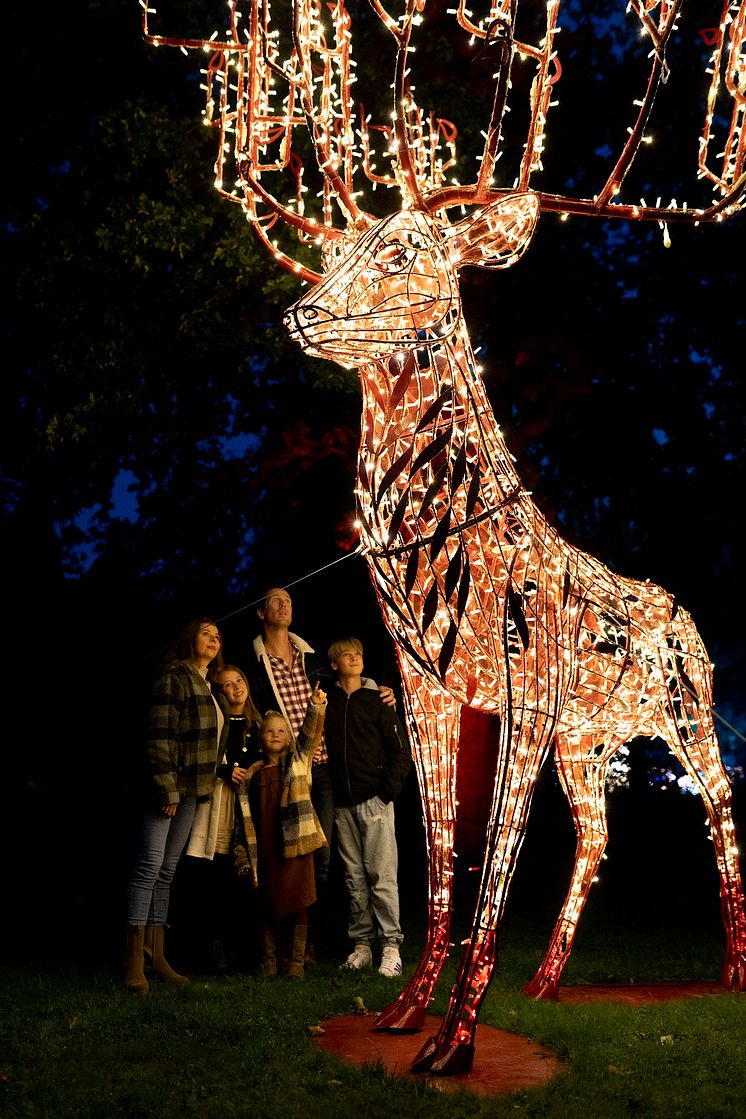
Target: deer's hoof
(425, 1057)
(404, 1019)
(547, 991)
(455, 1059)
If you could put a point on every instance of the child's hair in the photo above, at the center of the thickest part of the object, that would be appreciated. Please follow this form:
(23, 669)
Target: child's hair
(277, 715)
(344, 645)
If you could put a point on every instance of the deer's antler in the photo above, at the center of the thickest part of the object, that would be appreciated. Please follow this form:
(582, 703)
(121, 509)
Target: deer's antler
(281, 95)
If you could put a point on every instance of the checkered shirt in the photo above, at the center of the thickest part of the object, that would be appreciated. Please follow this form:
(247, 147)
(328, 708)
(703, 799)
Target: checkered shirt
(294, 689)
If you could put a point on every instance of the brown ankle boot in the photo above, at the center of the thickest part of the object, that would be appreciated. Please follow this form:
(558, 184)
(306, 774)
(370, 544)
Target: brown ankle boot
(134, 975)
(161, 968)
(267, 951)
(295, 969)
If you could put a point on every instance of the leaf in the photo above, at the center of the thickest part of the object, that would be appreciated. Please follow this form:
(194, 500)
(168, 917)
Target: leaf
(446, 651)
(452, 574)
(434, 409)
(392, 604)
(316, 1031)
(413, 564)
(433, 489)
(472, 495)
(365, 522)
(402, 379)
(463, 591)
(362, 467)
(431, 450)
(459, 468)
(393, 471)
(515, 607)
(440, 534)
(429, 608)
(398, 516)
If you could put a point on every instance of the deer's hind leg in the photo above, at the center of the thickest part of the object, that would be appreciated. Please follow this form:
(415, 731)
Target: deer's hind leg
(581, 766)
(433, 718)
(687, 726)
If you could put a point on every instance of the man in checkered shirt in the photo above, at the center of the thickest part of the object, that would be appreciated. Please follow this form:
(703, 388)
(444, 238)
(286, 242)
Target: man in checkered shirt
(281, 677)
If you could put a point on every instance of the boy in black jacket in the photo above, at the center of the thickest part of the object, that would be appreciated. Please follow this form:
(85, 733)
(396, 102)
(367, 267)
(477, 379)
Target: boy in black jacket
(368, 761)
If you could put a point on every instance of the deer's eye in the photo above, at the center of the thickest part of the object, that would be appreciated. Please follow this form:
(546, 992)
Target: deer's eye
(393, 256)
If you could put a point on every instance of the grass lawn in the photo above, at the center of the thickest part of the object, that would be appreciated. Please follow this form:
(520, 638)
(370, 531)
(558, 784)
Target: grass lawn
(74, 1043)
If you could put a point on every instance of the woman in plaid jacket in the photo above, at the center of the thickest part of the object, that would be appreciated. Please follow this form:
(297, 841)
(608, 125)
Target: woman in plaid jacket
(187, 731)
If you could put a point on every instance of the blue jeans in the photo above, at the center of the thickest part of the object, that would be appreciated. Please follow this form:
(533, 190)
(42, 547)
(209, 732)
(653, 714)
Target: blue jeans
(322, 798)
(367, 846)
(162, 840)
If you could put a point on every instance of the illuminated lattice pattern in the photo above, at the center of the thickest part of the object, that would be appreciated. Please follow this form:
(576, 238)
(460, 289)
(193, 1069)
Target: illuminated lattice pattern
(489, 607)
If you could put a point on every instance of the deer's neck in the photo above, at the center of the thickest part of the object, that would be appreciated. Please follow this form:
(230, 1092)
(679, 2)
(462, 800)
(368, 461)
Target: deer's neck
(429, 442)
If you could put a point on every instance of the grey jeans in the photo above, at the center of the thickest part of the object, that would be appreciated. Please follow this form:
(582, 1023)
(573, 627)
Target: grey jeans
(367, 846)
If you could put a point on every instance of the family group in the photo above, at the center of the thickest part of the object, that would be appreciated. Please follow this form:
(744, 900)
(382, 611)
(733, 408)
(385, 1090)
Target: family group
(249, 775)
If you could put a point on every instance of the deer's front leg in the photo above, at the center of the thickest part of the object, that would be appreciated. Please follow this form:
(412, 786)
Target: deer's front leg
(451, 1051)
(433, 722)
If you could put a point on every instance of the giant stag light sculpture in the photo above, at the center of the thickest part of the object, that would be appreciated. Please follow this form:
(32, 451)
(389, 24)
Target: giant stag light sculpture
(489, 607)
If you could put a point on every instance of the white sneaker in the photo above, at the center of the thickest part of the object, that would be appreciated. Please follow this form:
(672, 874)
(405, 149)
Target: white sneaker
(361, 957)
(390, 962)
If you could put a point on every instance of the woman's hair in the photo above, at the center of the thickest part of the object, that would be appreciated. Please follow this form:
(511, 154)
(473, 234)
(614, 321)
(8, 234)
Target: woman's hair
(184, 648)
(251, 711)
(277, 715)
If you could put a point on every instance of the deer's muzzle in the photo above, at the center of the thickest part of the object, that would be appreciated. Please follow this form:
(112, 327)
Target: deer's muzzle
(304, 323)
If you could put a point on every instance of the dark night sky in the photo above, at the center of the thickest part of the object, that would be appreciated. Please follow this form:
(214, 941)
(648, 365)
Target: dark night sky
(614, 366)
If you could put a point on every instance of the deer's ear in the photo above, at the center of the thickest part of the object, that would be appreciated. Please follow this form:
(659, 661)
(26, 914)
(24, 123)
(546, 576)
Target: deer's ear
(496, 235)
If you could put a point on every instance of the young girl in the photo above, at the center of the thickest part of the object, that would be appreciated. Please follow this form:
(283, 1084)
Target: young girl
(277, 831)
(243, 722)
(220, 916)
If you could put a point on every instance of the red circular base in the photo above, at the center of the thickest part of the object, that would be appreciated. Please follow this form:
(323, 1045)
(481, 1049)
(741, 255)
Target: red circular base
(503, 1062)
(636, 993)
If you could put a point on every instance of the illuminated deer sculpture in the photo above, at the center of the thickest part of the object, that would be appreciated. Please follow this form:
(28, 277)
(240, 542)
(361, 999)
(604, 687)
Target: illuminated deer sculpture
(489, 607)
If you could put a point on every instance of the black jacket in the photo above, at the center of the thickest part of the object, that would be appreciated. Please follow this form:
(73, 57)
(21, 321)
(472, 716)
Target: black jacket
(368, 751)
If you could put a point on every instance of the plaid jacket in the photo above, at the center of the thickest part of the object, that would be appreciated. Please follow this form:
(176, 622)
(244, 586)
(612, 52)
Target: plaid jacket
(183, 748)
(299, 826)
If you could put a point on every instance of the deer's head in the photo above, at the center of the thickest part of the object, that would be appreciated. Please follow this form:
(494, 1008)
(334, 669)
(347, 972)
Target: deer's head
(397, 288)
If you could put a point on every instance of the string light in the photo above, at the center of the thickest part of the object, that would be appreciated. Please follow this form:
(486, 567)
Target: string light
(488, 605)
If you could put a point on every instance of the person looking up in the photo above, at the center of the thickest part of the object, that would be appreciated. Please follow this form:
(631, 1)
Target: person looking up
(369, 760)
(283, 670)
(221, 916)
(244, 718)
(187, 732)
(277, 833)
